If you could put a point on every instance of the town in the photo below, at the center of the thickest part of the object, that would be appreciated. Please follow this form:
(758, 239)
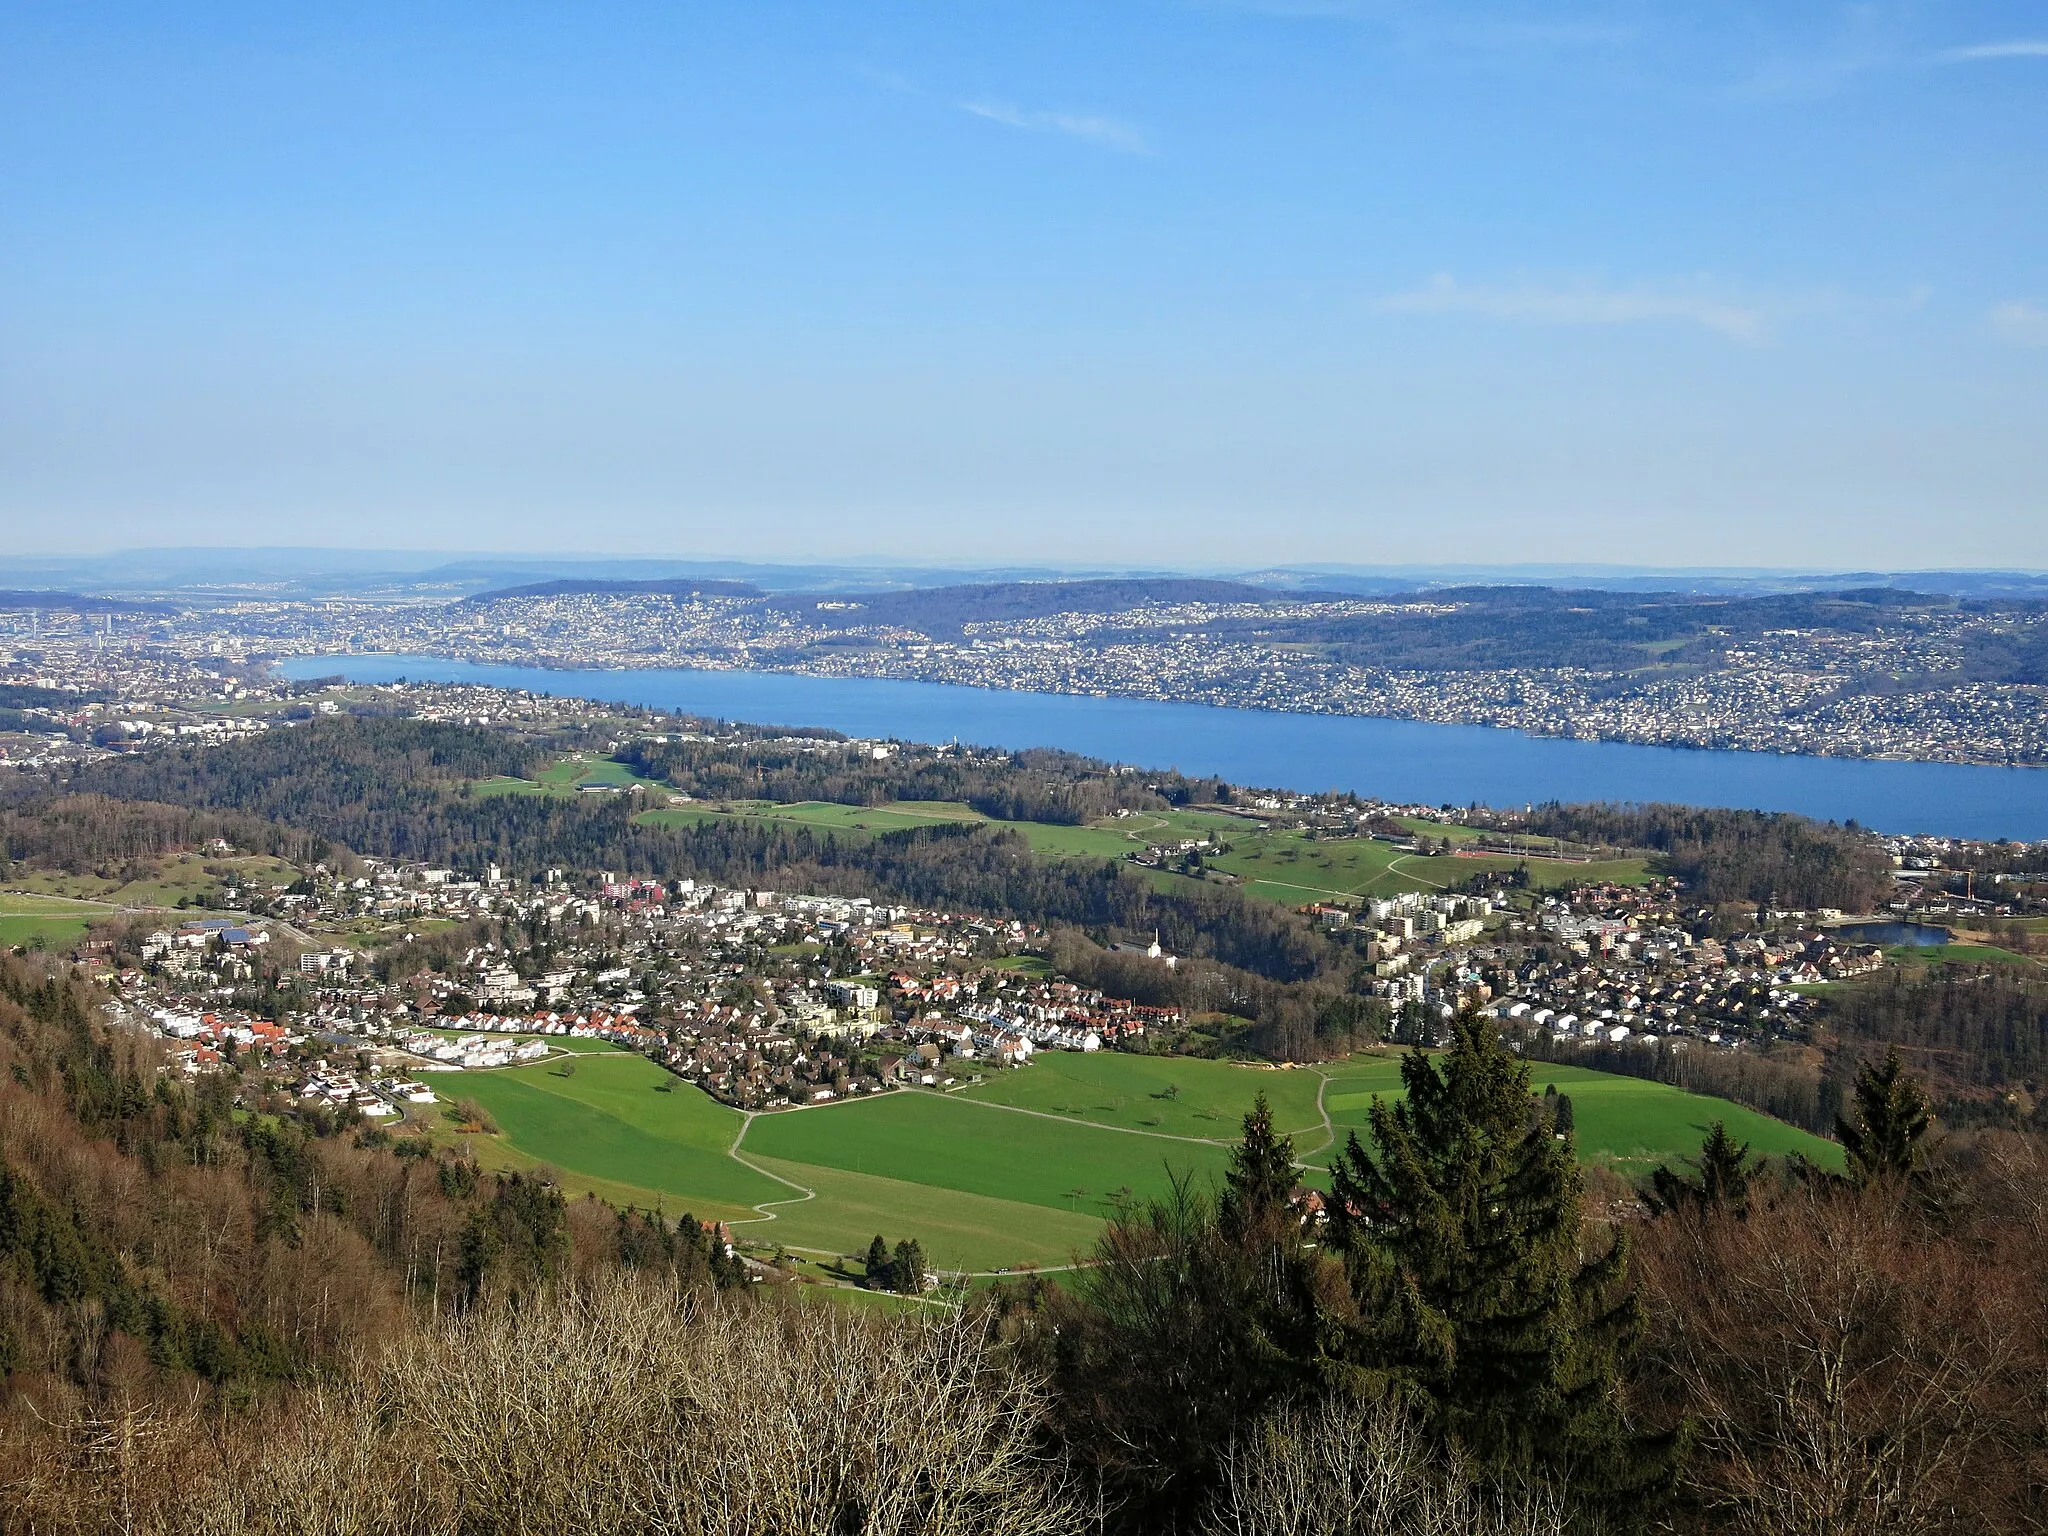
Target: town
(1809, 690)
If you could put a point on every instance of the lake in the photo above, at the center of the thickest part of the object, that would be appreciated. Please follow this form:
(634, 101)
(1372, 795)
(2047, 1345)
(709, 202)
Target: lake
(1405, 761)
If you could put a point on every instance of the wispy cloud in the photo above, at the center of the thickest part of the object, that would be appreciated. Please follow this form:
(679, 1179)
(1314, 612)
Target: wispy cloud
(2019, 321)
(2016, 48)
(1582, 304)
(1106, 131)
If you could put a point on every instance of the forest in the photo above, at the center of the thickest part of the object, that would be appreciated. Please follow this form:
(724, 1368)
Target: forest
(1968, 1027)
(252, 1323)
(1034, 785)
(1770, 858)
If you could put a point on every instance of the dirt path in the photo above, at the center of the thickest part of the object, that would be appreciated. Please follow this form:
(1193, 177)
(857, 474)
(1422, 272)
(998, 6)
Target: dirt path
(747, 1118)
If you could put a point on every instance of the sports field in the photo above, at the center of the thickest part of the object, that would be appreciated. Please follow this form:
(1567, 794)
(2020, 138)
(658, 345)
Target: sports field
(567, 777)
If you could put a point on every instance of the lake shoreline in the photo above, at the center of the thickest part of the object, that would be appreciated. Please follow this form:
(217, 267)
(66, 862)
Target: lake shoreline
(1528, 732)
(1398, 760)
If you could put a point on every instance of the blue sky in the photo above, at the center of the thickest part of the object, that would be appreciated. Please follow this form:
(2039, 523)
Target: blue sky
(1199, 284)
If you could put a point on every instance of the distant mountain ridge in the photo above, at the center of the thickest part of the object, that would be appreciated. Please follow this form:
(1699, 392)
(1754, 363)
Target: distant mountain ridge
(941, 611)
(937, 610)
(580, 586)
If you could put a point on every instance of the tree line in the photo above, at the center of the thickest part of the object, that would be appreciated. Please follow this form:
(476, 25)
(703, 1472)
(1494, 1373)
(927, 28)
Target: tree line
(1041, 784)
(1761, 857)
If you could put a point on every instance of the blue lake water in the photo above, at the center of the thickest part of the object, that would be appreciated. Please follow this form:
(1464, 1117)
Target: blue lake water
(1399, 760)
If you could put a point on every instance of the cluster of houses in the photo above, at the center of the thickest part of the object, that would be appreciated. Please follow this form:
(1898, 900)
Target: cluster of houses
(205, 1039)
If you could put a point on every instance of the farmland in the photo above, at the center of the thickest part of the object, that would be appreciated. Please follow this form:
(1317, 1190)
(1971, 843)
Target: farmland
(623, 1120)
(957, 1230)
(982, 1149)
(1288, 866)
(1018, 1169)
(53, 924)
(1165, 1095)
(1284, 865)
(1626, 1122)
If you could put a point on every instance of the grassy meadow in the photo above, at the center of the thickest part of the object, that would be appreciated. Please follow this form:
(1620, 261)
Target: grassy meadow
(957, 1230)
(1291, 867)
(1283, 866)
(172, 878)
(1017, 1170)
(1626, 1122)
(623, 1120)
(1163, 1095)
(982, 1149)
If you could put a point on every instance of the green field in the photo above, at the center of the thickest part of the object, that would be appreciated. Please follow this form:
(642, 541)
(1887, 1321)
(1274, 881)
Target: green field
(1017, 1170)
(852, 820)
(32, 920)
(1291, 867)
(980, 1149)
(1284, 866)
(46, 932)
(622, 1119)
(1625, 1121)
(175, 877)
(1165, 1095)
(565, 778)
(1110, 838)
(956, 1230)
(1954, 954)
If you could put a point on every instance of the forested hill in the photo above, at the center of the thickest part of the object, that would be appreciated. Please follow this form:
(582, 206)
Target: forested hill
(1771, 858)
(574, 586)
(943, 611)
(341, 777)
(1036, 785)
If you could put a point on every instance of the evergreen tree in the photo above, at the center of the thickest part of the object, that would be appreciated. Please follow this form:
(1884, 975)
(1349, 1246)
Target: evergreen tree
(878, 1270)
(1461, 1239)
(1892, 1118)
(1261, 1175)
(906, 1270)
(1563, 1121)
(1723, 1174)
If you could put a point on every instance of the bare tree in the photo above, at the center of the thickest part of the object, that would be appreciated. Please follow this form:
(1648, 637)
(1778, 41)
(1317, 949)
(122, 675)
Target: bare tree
(1344, 1468)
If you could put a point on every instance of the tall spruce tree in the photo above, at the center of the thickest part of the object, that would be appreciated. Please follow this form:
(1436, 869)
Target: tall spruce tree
(1892, 1118)
(1198, 1315)
(1720, 1179)
(1462, 1242)
(880, 1274)
(1261, 1175)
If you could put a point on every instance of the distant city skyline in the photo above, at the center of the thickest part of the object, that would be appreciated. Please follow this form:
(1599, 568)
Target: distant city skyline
(1207, 286)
